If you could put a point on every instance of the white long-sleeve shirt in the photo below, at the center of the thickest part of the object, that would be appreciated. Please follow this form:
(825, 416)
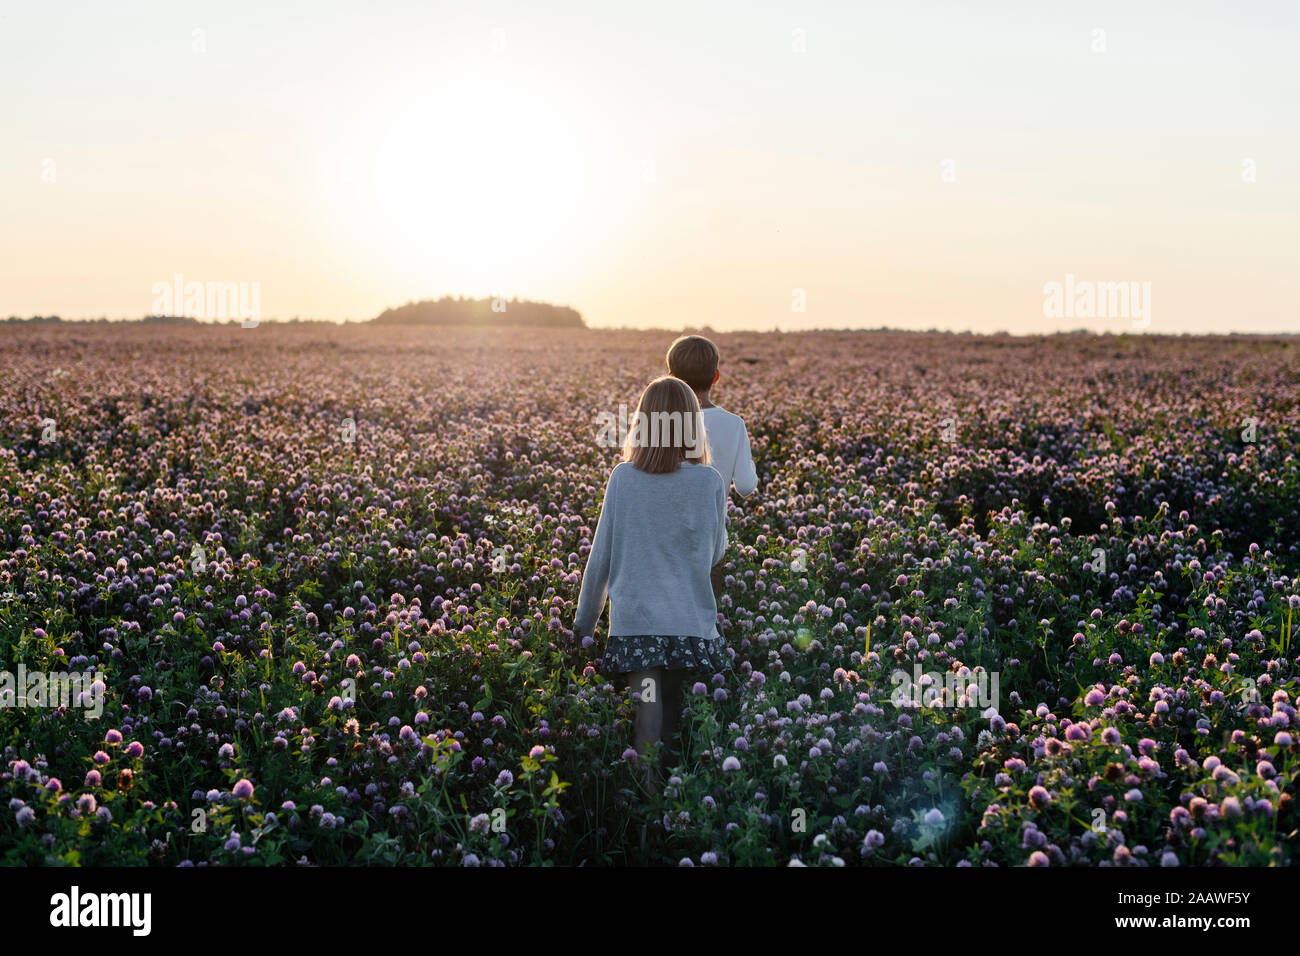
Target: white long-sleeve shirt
(729, 450)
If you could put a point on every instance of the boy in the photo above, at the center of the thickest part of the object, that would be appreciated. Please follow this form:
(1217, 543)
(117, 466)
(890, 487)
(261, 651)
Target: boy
(694, 359)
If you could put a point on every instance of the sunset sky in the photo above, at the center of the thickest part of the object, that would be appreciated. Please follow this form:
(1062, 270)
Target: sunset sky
(664, 164)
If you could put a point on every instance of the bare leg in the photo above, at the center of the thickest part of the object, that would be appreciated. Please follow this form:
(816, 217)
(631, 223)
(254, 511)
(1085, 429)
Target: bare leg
(649, 713)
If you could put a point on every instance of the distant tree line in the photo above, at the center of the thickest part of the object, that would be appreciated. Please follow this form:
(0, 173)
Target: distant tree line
(444, 311)
(489, 311)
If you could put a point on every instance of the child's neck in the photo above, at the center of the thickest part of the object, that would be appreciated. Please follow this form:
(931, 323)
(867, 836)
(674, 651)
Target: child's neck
(705, 401)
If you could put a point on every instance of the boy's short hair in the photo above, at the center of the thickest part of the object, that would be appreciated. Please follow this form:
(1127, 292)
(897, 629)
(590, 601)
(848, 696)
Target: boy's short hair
(693, 359)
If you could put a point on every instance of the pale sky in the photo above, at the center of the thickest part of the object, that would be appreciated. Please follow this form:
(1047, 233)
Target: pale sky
(665, 164)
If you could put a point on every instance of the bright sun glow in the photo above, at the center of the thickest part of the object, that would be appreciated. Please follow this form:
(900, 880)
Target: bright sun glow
(483, 183)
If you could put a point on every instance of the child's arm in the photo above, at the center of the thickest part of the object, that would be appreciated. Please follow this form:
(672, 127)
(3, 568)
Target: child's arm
(595, 578)
(745, 477)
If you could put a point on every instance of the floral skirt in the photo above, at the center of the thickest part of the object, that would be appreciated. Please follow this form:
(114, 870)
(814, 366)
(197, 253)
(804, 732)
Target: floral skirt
(625, 654)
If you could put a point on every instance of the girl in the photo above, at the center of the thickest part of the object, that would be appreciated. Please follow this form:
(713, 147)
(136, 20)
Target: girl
(661, 529)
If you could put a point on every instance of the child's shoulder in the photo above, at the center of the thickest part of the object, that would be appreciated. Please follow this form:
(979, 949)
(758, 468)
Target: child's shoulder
(722, 414)
(704, 474)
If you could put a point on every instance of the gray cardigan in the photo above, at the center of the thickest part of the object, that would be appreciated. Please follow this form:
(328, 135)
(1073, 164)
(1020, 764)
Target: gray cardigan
(657, 538)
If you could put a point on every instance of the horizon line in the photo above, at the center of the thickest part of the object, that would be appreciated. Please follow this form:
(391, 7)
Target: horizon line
(676, 330)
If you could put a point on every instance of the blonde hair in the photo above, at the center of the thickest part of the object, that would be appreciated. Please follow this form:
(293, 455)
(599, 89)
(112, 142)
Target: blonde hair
(667, 428)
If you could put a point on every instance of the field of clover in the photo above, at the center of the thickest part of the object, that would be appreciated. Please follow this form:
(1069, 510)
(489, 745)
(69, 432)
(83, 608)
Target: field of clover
(327, 577)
